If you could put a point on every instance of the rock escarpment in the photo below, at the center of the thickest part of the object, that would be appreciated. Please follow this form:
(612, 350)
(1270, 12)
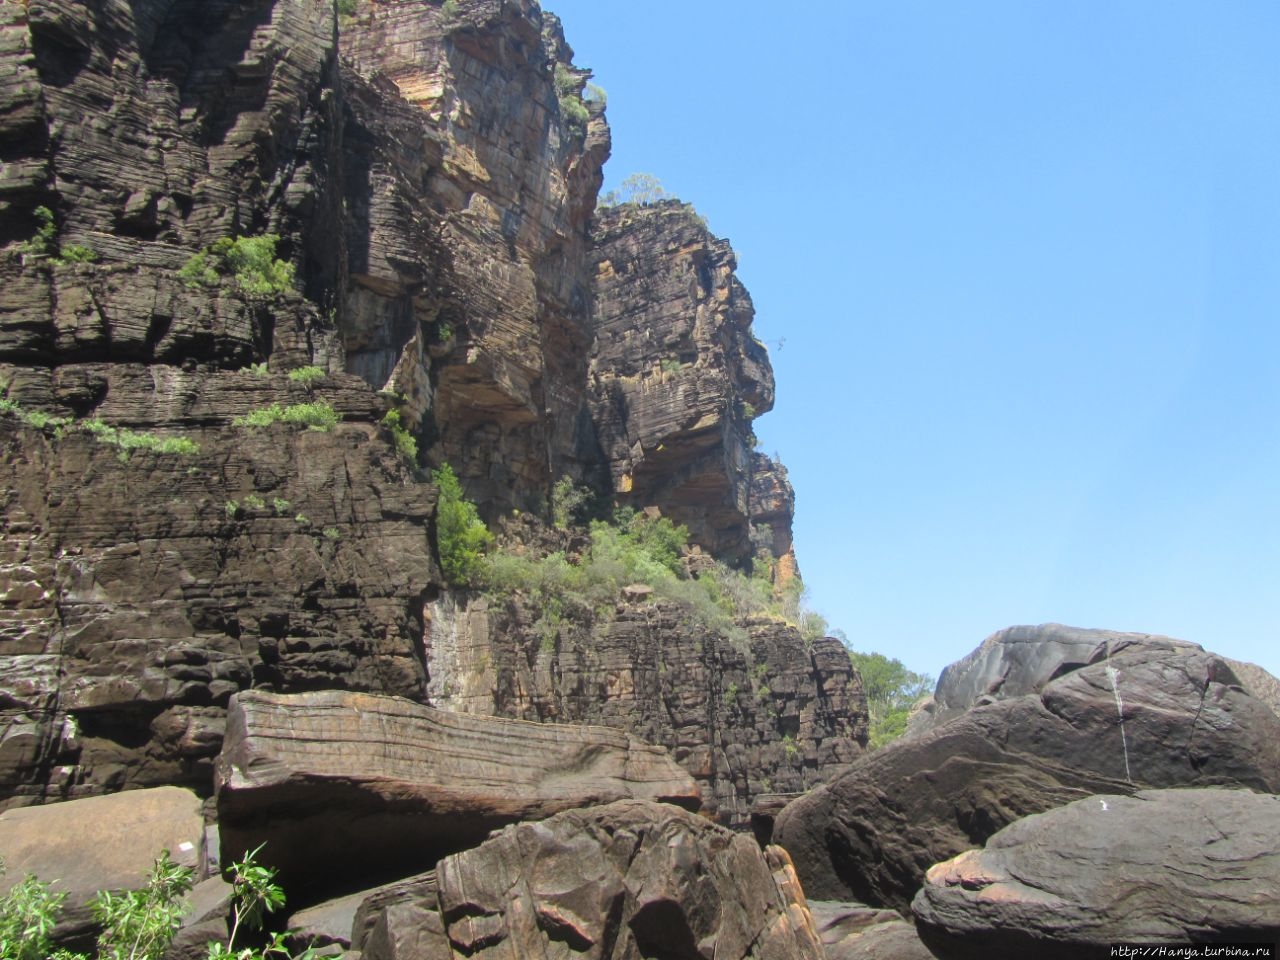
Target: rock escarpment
(676, 374)
(430, 171)
(1154, 714)
(769, 716)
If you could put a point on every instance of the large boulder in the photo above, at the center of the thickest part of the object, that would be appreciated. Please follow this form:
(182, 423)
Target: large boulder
(1152, 715)
(631, 879)
(1021, 660)
(1159, 867)
(853, 931)
(383, 786)
(99, 843)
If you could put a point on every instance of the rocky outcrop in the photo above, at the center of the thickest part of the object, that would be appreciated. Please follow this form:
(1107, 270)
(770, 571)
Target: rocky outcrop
(676, 374)
(472, 189)
(1152, 715)
(144, 588)
(379, 784)
(772, 507)
(630, 879)
(1159, 867)
(767, 715)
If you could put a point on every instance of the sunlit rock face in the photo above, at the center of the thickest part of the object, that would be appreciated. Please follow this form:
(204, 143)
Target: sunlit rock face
(471, 192)
(676, 374)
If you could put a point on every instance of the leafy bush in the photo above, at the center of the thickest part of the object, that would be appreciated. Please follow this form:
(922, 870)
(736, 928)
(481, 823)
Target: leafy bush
(140, 924)
(307, 376)
(461, 534)
(317, 415)
(406, 445)
(891, 691)
(250, 262)
(639, 188)
(347, 8)
(568, 91)
(593, 93)
(568, 503)
(129, 440)
(44, 244)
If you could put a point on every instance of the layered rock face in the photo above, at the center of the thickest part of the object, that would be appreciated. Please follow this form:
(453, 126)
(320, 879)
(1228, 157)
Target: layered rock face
(472, 191)
(676, 375)
(1153, 714)
(770, 716)
(383, 785)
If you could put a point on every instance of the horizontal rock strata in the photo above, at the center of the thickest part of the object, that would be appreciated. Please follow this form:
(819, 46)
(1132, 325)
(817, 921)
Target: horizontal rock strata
(379, 784)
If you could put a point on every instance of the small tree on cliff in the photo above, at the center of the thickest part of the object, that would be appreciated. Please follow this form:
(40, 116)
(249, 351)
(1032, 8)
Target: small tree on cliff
(461, 534)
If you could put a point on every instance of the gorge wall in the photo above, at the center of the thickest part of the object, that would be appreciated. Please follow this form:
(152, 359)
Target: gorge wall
(431, 172)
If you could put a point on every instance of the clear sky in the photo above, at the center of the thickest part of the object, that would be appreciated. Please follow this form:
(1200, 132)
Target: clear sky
(1018, 266)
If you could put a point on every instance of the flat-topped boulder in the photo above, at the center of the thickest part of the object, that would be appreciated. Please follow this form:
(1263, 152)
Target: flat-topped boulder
(385, 787)
(1159, 867)
(1154, 714)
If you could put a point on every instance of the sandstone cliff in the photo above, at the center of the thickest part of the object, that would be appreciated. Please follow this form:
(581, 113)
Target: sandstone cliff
(431, 173)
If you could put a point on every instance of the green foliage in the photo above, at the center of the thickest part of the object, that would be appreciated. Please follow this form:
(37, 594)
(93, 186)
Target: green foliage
(405, 443)
(568, 503)
(28, 914)
(75, 253)
(128, 440)
(569, 92)
(462, 536)
(449, 8)
(280, 506)
(121, 437)
(317, 415)
(44, 245)
(332, 533)
(140, 924)
(250, 263)
(891, 691)
(594, 93)
(670, 365)
(254, 502)
(347, 8)
(259, 369)
(639, 188)
(307, 376)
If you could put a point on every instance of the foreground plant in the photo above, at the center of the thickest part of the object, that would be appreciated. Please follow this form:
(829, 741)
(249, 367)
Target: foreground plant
(140, 924)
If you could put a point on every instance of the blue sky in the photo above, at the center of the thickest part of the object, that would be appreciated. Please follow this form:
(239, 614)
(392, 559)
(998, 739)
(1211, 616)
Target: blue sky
(1022, 261)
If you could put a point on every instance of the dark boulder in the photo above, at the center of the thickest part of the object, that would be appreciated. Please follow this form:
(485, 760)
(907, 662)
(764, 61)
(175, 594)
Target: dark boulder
(1154, 714)
(1159, 867)
(631, 879)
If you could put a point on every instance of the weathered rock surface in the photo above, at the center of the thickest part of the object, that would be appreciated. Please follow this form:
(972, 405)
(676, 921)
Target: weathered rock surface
(378, 783)
(1159, 867)
(676, 374)
(470, 279)
(628, 880)
(142, 592)
(852, 931)
(99, 843)
(1153, 715)
(769, 715)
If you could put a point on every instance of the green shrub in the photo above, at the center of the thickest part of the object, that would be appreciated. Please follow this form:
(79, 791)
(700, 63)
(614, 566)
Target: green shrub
(891, 690)
(669, 365)
(568, 503)
(347, 8)
(317, 415)
(28, 914)
(249, 262)
(638, 188)
(593, 93)
(45, 241)
(307, 376)
(406, 445)
(461, 535)
(75, 253)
